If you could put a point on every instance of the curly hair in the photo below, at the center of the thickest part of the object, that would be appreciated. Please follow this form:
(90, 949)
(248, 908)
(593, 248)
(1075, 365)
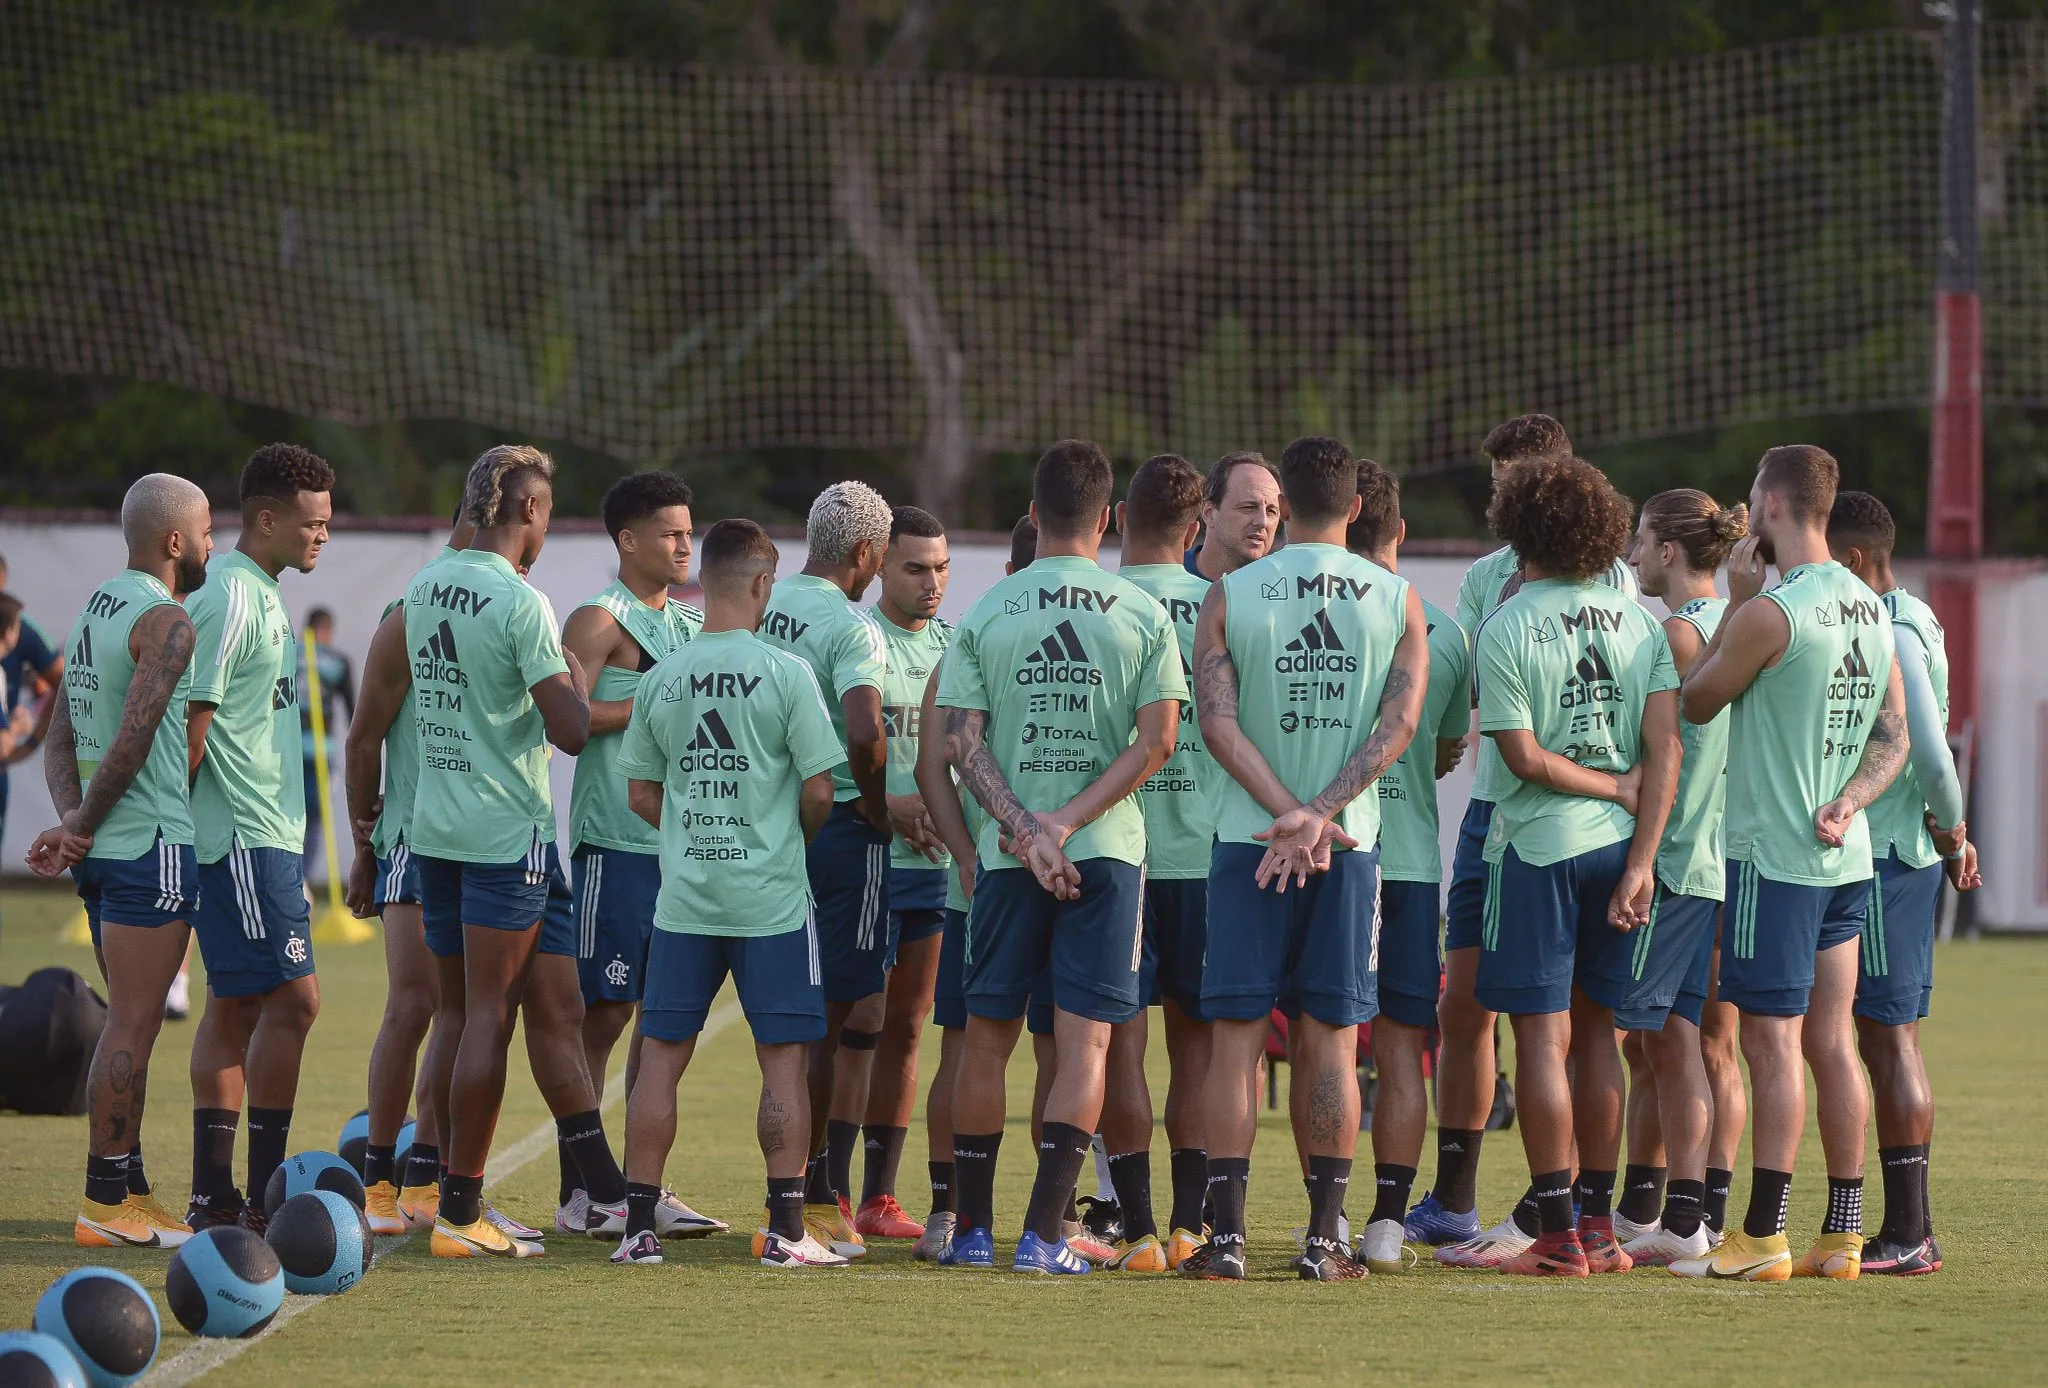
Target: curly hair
(1697, 524)
(502, 474)
(280, 471)
(637, 496)
(844, 514)
(1561, 515)
(1860, 519)
(1526, 436)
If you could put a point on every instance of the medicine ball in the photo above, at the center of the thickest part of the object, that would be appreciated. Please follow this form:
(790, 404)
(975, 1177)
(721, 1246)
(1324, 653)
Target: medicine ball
(30, 1359)
(354, 1142)
(323, 1241)
(312, 1171)
(106, 1320)
(225, 1282)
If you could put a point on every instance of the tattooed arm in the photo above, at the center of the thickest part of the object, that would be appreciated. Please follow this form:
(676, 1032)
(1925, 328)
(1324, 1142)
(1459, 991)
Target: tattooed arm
(1216, 710)
(1884, 752)
(1034, 841)
(57, 849)
(941, 797)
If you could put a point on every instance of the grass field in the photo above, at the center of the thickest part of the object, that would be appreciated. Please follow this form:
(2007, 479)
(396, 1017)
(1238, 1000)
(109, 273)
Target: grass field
(710, 1314)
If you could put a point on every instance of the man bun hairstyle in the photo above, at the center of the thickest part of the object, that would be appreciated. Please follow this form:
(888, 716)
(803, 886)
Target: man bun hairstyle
(1219, 474)
(1023, 542)
(845, 514)
(1071, 487)
(731, 552)
(1526, 436)
(507, 473)
(1165, 497)
(1561, 515)
(1379, 510)
(916, 522)
(1860, 519)
(280, 471)
(635, 497)
(1805, 476)
(1696, 523)
(1319, 477)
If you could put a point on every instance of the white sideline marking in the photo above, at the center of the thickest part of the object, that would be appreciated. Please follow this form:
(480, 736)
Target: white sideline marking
(204, 1356)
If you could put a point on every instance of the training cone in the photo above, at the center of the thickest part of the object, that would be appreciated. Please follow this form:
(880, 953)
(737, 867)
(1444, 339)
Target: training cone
(335, 926)
(77, 930)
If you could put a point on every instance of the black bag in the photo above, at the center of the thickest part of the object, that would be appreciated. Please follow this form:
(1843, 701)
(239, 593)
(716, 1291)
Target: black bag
(49, 1027)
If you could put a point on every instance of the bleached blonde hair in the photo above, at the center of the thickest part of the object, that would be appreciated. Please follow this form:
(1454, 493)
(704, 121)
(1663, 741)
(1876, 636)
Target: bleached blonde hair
(155, 506)
(490, 476)
(844, 514)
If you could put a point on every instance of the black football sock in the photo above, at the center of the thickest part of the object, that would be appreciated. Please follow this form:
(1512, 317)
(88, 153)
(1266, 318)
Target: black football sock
(818, 1181)
(1391, 1187)
(1062, 1152)
(1328, 1181)
(1845, 1206)
(1526, 1216)
(1642, 1191)
(1770, 1196)
(379, 1164)
(841, 1138)
(423, 1167)
(462, 1199)
(882, 1154)
(974, 1160)
(942, 1186)
(1552, 1191)
(786, 1207)
(640, 1203)
(138, 1179)
(1228, 1178)
(1073, 1211)
(1457, 1169)
(1595, 1194)
(213, 1159)
(1926, 1205)
(1131, 1175)
(106, 1180)
(1905, 1175)
(602, 1180)
(568, 1176)
(1714, 1213)
(1682, 1204)
(270, 1130)
(1190, 1168)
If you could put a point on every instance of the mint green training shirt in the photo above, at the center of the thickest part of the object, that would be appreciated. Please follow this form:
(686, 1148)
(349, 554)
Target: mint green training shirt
(812, 619)
(731, 727)
(1572, 661)
(1409, 850)
(1691, 858)
(481, 638)
(1179, 801)
(251, 786)
(912, 656)
(1898, 817)
(598, 814)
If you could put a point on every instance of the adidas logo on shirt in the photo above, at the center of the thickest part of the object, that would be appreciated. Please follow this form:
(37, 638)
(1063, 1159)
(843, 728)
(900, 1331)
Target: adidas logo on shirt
(1059, 659)
(435, 660)
(1591, 682)
(1852, 678)
(711, 749)
(1316, 650)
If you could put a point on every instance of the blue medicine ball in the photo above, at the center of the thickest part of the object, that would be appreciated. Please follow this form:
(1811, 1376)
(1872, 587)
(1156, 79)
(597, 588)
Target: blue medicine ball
(312, 1171)
(107, 1322)
(323, 1241)
(29, 1359)
(225, 1282)
(354, 1142)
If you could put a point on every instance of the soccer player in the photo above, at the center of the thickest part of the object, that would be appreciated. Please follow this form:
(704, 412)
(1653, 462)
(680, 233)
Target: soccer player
(1411, 873)
(915, 570)
(1158, 518)
(729, 754)
(491, 688)
(1916, 834)
(1466, 1065)
(116, 766)
(1310, 670)
(620, 634)
(812, 614)
(1240, 516)
(1679, 546)
(248, 808)
(957, 821)
(383, 755)
(1062, 691)
(1819, 731)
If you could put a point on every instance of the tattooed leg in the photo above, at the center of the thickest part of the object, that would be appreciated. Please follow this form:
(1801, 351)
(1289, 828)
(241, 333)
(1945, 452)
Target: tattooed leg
(140, 966)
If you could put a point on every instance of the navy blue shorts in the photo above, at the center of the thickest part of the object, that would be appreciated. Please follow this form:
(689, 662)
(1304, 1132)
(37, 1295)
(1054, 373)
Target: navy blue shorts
(849, 870)
(1896, 983)
(398, 878)
(1546, 929)
(1774, 931)
(254, 925)
(1669, 961)
(1091, 947)
(1411, 967)
(776, 976)
(153, 890)
(497, 896)
(1038, 1013)
(918, 889)
(614, 903)
(1312, 949)
(1465, 903)
(949, 996)
(1176, 937)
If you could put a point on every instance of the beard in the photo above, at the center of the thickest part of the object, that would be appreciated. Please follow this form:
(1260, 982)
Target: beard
(1765, 550)
(191, 574)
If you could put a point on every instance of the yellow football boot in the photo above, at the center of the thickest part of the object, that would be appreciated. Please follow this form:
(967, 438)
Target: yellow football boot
(1141, 1255)
(1839, 1256)
(380, 1204)
(127, 1225)
(1741, 1258)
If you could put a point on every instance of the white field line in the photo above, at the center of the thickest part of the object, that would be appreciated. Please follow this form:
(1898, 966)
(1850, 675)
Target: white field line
(204, 1356)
